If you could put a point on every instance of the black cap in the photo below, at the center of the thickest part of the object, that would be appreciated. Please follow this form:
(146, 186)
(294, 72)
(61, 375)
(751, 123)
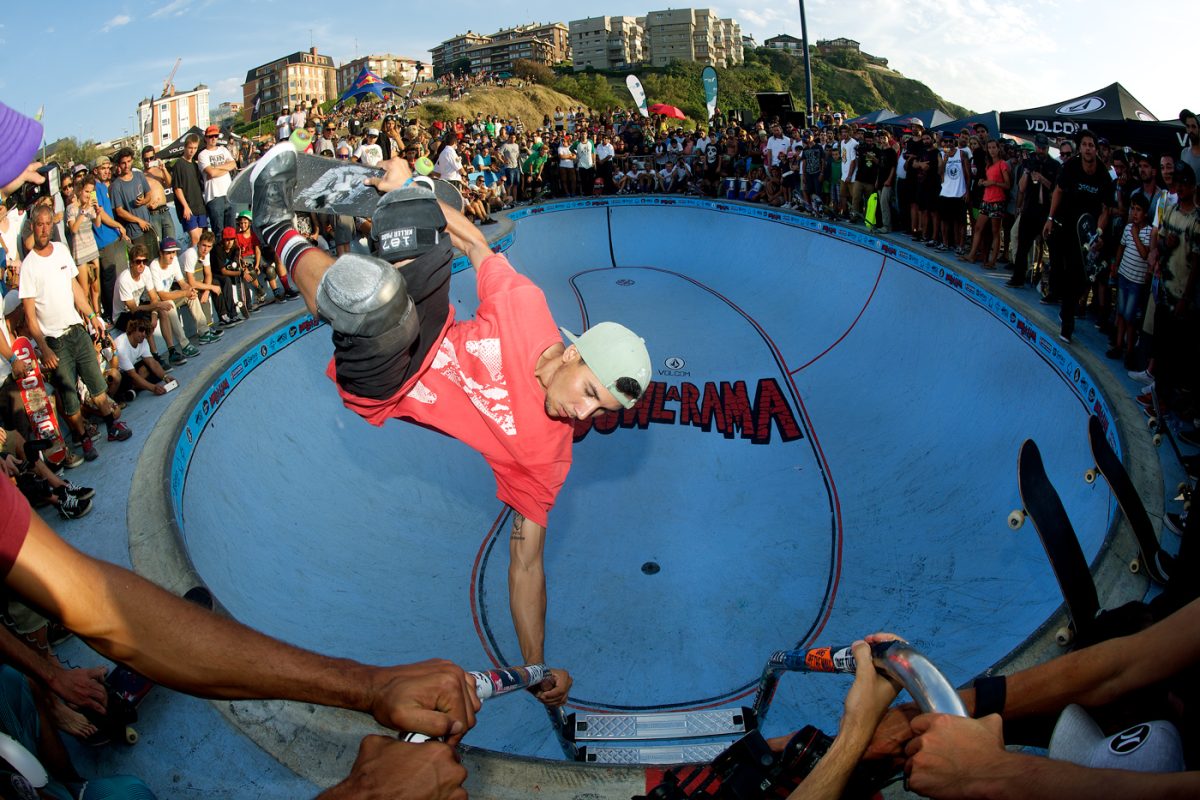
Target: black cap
(1184, 174)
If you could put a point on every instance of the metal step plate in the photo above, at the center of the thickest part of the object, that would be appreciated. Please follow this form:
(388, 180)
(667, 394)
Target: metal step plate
(661, 754)
(643, 727)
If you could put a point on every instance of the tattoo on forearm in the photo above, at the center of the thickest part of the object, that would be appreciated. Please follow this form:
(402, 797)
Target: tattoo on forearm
(516, 527)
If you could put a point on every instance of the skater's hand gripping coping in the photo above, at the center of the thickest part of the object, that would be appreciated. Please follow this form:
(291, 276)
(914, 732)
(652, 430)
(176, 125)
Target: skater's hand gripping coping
(434, 697)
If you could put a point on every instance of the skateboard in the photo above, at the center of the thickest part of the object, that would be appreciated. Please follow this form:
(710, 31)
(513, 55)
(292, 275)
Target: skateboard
(1152, 558)
(1089, 244)
(329, 186)
(126, 690)
(37, 402)
(1041, 504)
(1160, 426)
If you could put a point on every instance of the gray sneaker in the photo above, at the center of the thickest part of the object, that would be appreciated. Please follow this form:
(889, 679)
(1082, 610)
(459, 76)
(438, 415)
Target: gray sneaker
(272, 181)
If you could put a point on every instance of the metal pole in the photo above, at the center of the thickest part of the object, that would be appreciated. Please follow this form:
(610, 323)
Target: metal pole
(807, 65)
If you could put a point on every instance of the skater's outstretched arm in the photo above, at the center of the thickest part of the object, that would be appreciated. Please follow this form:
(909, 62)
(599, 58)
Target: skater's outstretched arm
(527, 602)
(185, 647)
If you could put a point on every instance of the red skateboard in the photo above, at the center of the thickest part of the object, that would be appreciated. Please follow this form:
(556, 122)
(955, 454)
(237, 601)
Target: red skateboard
(37, 402)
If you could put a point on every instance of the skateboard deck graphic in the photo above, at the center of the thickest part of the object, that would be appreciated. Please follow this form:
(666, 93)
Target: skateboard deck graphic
(1041, 504)
(329, 186)
(126, 689)
(1156, 562)
(37, 402)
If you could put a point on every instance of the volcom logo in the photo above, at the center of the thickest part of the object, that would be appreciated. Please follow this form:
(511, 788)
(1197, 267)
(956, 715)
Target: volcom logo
(1130, 740)
(1085, 105)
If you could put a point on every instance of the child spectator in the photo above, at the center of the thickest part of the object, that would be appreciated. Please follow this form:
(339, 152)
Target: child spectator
(1132, 269)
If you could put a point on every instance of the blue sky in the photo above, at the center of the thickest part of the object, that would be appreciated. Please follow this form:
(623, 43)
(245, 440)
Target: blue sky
(90, 63)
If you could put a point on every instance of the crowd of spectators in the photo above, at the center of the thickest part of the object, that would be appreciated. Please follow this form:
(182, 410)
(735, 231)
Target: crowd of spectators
(140, 250)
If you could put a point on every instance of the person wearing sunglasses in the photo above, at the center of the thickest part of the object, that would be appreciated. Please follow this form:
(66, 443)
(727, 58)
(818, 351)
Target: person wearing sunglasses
(217, 165)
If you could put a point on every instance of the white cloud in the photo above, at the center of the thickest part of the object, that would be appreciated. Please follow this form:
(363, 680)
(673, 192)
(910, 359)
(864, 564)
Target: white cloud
(116, 22)
(227, 89)
(173, 8)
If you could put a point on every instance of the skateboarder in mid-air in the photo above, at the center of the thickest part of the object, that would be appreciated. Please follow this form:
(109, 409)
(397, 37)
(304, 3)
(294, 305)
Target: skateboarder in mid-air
(503, 383)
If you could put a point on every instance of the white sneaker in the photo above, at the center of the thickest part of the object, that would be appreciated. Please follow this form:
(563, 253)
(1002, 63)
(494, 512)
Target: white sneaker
(1142, 377)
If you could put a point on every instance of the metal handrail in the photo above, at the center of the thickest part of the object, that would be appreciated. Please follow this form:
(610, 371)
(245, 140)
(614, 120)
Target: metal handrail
(897, 658)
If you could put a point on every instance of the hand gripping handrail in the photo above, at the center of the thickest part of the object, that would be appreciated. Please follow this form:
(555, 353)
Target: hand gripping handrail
(897, 658)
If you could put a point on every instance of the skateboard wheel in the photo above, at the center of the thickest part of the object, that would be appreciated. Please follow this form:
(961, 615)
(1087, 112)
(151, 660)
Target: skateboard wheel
(1152, 423)
(1183, 489)
(1157, 439)
(1016, 519)
(1064, 636)
(1135, 566)
(131, 736)
(1089, 476)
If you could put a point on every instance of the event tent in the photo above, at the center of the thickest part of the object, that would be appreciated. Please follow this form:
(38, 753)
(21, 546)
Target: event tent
(1111, 112)
(990, 119)
(930, 118)
(873, 118)
(367, 82)
(175, 148)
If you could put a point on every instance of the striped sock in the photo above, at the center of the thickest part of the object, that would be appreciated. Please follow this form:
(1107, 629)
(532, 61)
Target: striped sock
(288, 245)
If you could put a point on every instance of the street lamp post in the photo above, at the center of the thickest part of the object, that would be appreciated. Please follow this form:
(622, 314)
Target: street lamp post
(807, 64)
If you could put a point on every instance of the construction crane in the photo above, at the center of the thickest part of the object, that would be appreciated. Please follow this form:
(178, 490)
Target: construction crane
(168, 84)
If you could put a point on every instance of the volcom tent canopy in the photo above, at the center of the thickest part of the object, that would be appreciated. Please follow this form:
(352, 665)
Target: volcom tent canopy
(1111, 112)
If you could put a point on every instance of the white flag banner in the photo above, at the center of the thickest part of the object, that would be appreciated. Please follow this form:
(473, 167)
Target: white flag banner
(639, 94)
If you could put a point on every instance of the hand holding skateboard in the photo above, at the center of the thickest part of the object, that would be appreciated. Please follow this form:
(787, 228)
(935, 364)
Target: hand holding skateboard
(389, 768)
(396, 173)
(81, 688)
(434, 697)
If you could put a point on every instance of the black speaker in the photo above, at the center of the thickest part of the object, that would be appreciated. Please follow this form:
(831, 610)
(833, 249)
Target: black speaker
(797, 118)
(774, 104)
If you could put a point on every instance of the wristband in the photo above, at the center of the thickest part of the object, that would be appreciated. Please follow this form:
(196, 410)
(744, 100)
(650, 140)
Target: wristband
(12, 359)
(990, 693)
(92, 315)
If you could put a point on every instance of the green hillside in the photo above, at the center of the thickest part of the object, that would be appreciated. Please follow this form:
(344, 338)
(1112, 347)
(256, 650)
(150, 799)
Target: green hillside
(847, 83)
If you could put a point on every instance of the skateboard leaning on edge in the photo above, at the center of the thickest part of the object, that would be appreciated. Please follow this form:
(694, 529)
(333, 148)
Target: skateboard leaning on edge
(329, 186)
(1089, 245)
(37, 402)
(126, 690)
(1152, 558)
(1041, 504)
(1160, 427)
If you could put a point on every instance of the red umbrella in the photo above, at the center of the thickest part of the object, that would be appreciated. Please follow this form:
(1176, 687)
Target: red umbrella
(667, 111)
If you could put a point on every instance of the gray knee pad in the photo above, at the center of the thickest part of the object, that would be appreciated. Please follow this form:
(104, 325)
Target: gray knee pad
(272, 272)
(364, 296)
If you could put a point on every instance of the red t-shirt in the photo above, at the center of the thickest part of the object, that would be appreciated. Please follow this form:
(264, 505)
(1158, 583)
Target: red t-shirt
(246, 243)
(996, 172)
(479, 386)
(14, 524)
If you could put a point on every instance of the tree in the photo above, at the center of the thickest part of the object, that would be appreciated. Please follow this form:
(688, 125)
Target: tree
(533, 72)
(70, 150)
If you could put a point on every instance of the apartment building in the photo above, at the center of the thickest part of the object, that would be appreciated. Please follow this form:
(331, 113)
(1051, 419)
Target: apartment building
(542, 43)
(162, 120)
(302, 76)
(660, 37)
